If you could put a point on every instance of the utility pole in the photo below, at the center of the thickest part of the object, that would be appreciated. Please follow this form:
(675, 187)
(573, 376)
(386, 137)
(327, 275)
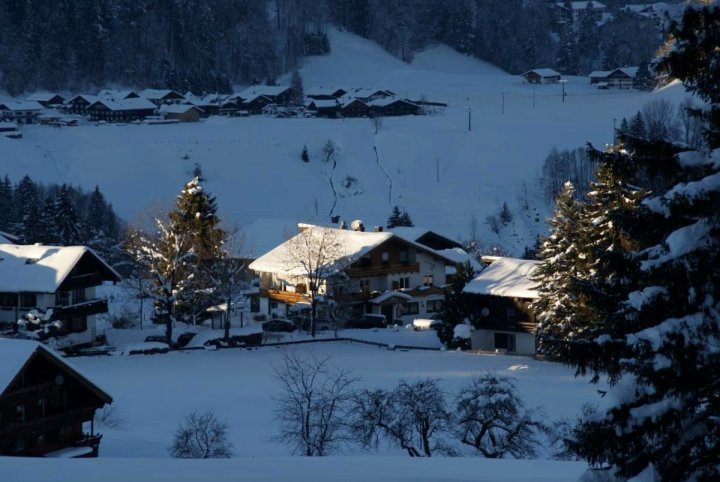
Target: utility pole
(469, 115)
(503, 103)
(437, 169)
(562, 82)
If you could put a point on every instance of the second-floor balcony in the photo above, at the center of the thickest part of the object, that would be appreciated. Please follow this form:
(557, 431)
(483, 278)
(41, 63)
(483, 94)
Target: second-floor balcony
(382, 269)
(84, 308)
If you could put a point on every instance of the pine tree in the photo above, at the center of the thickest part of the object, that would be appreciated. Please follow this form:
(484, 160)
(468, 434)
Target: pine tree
(637, 127)
(567, 62)
(297, 96)
(196, 214)
(27, 211)
(643, 78)
(6, 204)
(399, 218)
(658, 343)
(67, 224)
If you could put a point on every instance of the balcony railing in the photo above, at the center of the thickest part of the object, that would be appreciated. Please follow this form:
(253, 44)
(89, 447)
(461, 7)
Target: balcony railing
(86, 308)
(377, 270)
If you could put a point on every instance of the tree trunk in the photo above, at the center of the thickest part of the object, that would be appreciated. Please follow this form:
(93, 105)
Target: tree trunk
(227, 320)
(312, 316)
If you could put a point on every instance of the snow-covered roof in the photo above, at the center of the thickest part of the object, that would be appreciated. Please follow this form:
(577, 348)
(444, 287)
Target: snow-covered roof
(39, 269)
(16, 353)
(544, 72)
(42, 96)
(387, 101)
(351, 245)
(505, 277)
(460, 256)
(91, 99)
(388, 295)
(157, 93)
(327, 104)
(5, 126)
(128, 104)
(259, 90)
(583, 5)
(21, 105)
(629, 71)
(178, 108)
(7, 238)
(324, 91)
(599, 73)
(115, 94)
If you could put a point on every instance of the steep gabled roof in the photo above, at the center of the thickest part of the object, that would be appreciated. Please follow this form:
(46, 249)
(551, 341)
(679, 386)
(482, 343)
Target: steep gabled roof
(43, 97)
(508, 277)
(42, 269)
(21, 105)
(159, 94)
(127, 104)
(263, 90)
(543, 72)
(351, 245)
(17, 353)
(179, 108)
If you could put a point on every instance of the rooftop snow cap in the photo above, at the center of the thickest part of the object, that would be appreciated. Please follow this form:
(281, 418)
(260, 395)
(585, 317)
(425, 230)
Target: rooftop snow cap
(357, 225)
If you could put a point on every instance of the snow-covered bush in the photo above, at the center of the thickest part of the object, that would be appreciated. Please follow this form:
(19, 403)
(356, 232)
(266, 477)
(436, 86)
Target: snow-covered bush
(201, 436)
(491, 418)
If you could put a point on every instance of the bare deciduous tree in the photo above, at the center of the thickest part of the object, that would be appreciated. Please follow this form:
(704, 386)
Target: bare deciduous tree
(315, 254)
(660, 120)
(492, 419)
(227, 276)
(313, 405)
(411, 417)
(201, 436)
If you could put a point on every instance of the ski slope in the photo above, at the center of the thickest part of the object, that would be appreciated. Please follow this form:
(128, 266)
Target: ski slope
(444, 171)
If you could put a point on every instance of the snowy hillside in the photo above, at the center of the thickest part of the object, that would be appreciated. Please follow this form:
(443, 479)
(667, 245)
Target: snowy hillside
(443, 174)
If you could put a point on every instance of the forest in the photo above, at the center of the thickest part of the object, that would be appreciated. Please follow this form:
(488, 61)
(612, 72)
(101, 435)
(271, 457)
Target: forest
(211, 45)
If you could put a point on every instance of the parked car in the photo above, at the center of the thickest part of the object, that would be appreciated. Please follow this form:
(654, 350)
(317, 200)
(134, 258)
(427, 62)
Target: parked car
(278, 326)
(368, 320)
(303, 323)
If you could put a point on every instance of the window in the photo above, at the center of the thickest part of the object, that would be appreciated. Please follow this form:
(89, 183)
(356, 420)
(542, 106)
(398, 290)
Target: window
(385, 258)
(20, 413)
(434, 306)
(427, 280)
(364, 284)
(404, 257)
(512, 313)
(28, 300)
(62, 298)
(404, 282)
(8, 300)
(78, 295)
(412, 308)
(505, 341)
(78, 324)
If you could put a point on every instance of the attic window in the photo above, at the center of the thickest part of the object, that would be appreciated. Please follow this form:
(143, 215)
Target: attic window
(32, 260)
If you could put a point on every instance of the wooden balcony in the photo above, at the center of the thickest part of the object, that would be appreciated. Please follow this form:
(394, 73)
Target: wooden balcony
(48, 423)
(384, 269)
(86, 308)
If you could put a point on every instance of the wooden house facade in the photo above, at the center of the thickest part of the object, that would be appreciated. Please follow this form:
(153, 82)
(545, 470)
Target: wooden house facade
(121, 111)
(47, 407)
(542, 76)
(49, 292)
(396, 107)
(355, 108)
(22, 112)
(501, 301)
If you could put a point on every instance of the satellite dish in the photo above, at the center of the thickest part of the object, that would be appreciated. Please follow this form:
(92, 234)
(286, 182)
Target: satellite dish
(485, 312)
(59, 379)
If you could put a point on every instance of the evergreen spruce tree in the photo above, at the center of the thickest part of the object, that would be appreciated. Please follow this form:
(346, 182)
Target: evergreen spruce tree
(399, 218)
(567, 62)
(637, 127)
(47, 230)
(67, 225)
(624, 126)
(643, 78)
(27, 211)
(297, 96)
(654, 303)
(196, 214)
(6, 204)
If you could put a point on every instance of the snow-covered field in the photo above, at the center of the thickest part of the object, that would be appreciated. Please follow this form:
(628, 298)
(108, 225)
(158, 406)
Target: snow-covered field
(433, 166)
(153, 393)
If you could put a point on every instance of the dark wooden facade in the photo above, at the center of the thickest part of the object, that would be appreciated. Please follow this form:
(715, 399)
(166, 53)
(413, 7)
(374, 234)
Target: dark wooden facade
(490, 312)
(356, 108)
(401, 257)
(395, 108)
(100, 111)
(256, 104)
(49, 407)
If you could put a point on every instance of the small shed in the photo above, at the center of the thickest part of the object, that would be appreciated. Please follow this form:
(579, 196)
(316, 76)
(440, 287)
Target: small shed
(598, 76)
(325, 108)
(542, 76)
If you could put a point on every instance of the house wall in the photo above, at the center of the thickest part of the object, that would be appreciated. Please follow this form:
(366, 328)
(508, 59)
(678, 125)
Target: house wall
(485, 340)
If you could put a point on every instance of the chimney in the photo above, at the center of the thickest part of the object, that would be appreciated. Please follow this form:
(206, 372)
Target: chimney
(378, 229)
